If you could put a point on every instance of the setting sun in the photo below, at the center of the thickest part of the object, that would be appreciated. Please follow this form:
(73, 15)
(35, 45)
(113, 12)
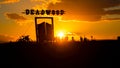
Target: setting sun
(60, 34)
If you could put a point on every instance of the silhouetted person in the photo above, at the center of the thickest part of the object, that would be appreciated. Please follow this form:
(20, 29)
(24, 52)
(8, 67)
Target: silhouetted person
(81, 39)
(73, 39)
(85, 39)
(91, 37)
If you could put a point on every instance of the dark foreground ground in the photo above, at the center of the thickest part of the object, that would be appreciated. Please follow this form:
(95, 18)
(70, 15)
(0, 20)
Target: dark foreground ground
(92, 54)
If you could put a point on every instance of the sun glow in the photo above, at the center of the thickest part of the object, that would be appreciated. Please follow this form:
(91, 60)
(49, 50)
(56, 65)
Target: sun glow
(61, 35)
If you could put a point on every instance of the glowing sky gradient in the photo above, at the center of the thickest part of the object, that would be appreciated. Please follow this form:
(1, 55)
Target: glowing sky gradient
(98, 18)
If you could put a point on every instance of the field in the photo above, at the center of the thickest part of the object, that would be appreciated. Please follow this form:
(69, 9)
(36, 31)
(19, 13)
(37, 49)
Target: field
(89, 54)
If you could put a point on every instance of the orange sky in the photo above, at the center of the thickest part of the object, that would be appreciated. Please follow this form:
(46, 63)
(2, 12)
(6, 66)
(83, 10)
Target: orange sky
(100, 18)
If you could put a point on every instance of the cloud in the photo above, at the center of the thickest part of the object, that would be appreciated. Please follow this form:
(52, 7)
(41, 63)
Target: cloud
(86, 10)
(8, 1)
(47, 1)
(60, 19)
(14, 16)
(6, 38)
(112, 8)
(18, 18)
(24, 22)
(43, 4)
(113, 11)
(111, 19)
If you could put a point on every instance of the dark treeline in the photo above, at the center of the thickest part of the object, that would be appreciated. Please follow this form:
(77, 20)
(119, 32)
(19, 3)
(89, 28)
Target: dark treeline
(89, 54)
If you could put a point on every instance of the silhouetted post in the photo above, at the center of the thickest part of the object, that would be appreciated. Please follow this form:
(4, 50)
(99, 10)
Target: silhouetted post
(52, 29)
(36, 29)
(118, 38)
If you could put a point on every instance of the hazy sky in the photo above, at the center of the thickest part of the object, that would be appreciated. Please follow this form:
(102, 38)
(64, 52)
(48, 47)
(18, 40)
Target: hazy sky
(98, 18)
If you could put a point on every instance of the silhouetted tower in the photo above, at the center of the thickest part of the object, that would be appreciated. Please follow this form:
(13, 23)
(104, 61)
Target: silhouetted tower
(44, 31)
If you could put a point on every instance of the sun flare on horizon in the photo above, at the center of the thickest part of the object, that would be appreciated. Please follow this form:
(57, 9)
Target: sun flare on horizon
(61, 35)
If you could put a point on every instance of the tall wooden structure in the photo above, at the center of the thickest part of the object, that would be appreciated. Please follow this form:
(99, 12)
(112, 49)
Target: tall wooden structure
(44, 31)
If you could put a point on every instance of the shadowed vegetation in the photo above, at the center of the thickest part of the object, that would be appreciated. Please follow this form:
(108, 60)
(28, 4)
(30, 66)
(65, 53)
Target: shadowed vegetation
(95, 54)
